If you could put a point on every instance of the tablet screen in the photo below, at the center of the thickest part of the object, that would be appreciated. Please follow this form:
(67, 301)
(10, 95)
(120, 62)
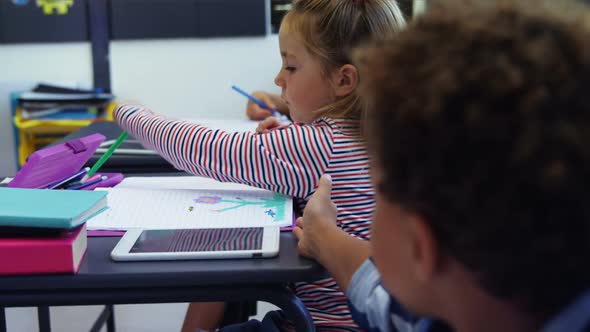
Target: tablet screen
(192, 240)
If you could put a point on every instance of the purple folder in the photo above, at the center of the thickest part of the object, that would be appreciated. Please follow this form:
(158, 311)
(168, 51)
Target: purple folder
(53, 163)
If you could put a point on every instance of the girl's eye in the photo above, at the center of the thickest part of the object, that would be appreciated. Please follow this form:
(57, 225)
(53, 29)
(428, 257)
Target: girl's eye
(289, 68)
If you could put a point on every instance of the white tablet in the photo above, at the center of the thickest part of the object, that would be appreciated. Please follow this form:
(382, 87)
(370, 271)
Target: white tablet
(204, 243)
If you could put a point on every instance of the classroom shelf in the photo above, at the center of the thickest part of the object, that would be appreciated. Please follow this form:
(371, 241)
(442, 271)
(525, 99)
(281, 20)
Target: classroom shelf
(34, 134)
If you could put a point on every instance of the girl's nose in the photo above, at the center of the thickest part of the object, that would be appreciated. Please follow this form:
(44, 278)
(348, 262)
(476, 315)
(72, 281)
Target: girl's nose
(279, 81)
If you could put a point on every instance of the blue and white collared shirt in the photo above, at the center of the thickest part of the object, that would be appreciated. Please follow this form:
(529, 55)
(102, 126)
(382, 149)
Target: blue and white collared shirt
(375, 310)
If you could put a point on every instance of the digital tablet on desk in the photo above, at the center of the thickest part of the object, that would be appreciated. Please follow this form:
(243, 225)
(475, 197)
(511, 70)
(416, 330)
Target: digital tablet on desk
(200, 243)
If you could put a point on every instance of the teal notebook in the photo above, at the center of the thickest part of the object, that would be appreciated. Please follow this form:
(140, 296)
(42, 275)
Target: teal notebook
(49, 208)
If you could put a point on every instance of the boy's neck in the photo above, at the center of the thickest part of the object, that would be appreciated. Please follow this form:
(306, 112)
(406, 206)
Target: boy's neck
(467, 307)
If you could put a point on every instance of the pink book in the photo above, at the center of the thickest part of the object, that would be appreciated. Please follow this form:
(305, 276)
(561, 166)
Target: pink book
(61, 253)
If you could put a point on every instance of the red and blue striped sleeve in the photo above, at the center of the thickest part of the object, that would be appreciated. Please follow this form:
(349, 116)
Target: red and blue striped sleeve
(289, 160)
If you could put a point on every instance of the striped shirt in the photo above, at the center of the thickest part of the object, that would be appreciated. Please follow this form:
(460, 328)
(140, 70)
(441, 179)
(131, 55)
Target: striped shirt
(289, 161)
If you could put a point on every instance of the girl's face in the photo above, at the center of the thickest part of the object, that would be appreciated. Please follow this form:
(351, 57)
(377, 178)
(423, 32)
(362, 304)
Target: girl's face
(304, 87)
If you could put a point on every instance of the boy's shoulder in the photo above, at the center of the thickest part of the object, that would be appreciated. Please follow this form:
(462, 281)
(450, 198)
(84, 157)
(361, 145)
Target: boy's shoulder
(574, 318)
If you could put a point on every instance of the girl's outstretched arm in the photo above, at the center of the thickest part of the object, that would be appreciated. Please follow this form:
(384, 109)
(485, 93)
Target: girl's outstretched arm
(288, 160)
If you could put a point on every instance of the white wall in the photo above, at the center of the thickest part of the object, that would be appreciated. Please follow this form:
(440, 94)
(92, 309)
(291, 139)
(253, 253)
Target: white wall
(186, 78)
(192, 78)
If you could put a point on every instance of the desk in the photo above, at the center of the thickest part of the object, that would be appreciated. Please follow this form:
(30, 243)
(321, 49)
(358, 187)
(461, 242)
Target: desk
(101, 280)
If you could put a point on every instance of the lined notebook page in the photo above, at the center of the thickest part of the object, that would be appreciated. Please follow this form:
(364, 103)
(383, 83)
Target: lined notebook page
(186, 208)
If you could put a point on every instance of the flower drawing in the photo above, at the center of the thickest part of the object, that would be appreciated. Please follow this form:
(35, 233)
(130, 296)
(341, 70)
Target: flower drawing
(208, 199)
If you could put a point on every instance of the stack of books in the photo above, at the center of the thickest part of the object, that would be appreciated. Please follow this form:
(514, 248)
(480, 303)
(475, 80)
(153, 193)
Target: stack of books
(60, 103)
(44, 231)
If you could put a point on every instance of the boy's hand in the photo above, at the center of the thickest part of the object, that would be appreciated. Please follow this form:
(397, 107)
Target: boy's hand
(267, 124)
(318, 221)
(321, 239)
(255, 112)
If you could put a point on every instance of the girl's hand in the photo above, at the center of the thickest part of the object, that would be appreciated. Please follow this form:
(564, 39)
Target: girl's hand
(255, 112)
(267, 125)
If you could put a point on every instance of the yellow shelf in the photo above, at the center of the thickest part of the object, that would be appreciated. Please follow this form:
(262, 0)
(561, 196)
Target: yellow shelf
(34, 134)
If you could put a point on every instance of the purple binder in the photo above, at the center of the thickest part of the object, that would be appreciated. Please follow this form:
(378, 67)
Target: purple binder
(56, 162)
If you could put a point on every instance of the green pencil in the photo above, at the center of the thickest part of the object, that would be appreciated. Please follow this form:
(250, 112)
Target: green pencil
(106, 155)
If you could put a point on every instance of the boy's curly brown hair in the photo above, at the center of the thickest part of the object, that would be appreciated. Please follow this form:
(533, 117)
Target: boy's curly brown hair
(479, 120)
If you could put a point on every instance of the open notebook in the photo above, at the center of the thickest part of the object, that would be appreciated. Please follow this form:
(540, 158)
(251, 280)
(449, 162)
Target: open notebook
(191, 202)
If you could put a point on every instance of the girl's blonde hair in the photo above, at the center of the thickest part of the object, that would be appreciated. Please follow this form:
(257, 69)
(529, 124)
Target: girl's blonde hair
(330, 29)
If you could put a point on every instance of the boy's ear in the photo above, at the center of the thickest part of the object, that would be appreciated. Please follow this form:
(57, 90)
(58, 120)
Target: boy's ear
(425, 249)
(345, 80)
